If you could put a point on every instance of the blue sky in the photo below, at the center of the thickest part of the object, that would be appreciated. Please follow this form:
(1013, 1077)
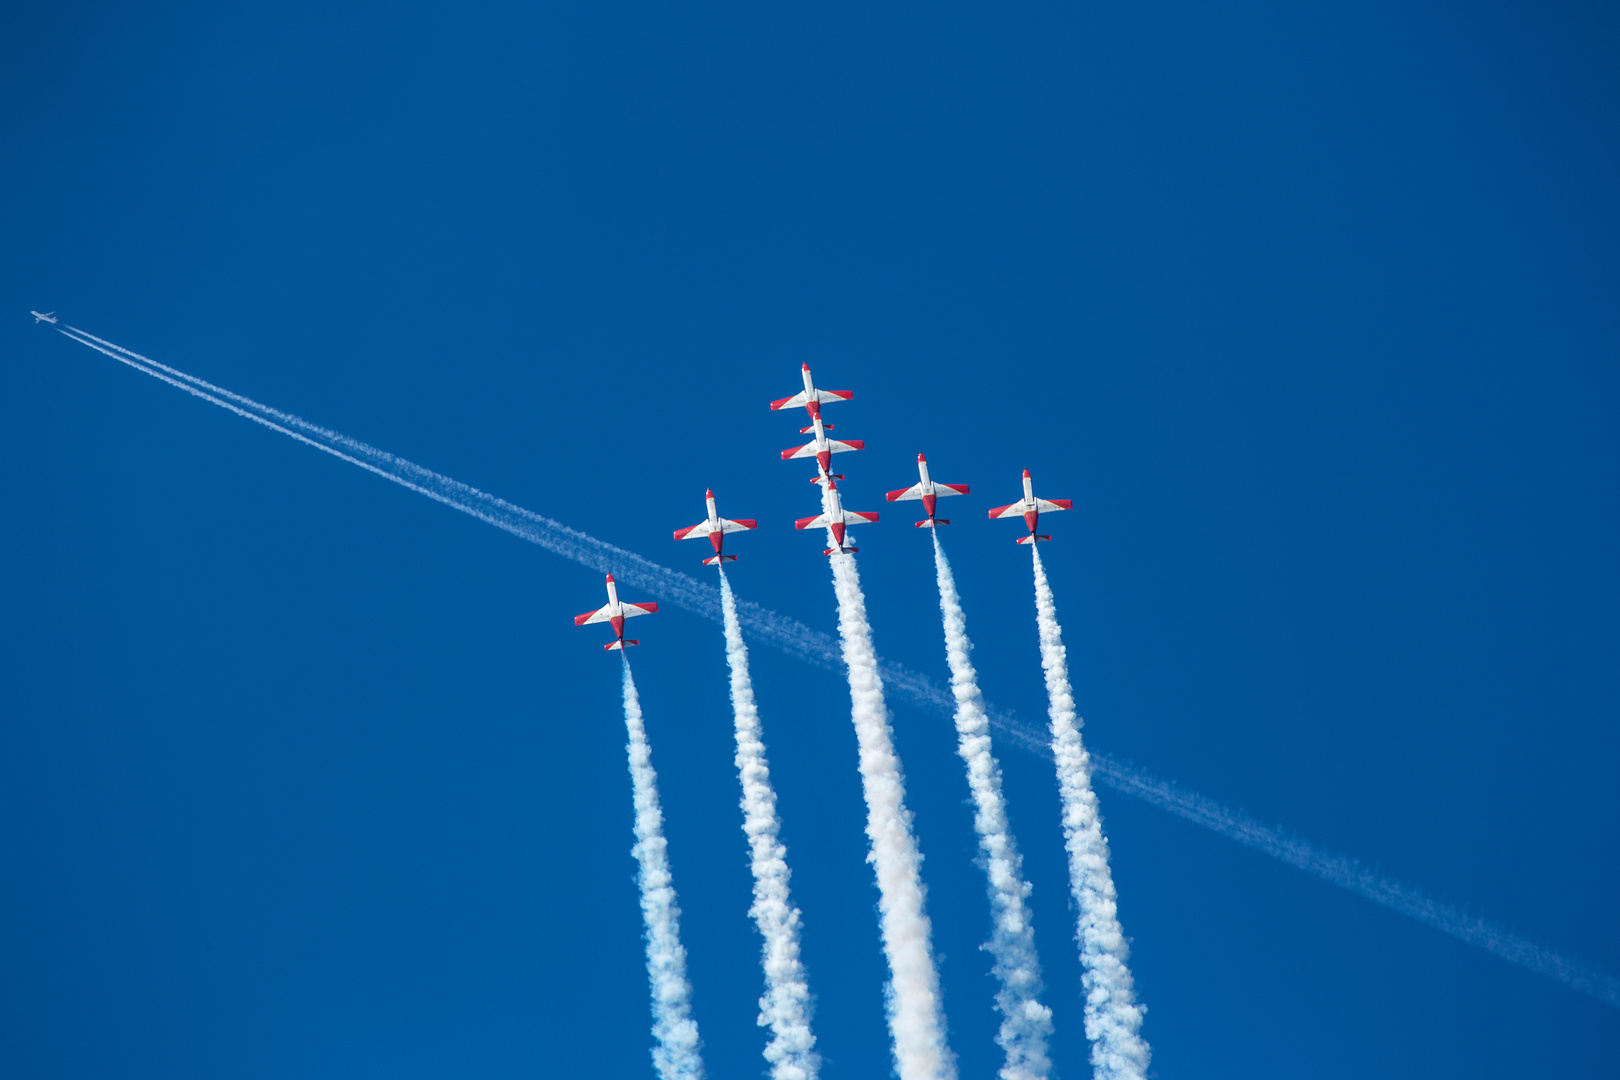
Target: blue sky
(1311, 312)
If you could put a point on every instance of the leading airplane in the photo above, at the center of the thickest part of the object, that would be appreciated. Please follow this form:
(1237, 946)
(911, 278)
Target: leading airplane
(615, 613)
(47, 316)
(822, 449)
(1031, 508)
(812, 399)
(929, 492)
(715, 528)
(835, 518)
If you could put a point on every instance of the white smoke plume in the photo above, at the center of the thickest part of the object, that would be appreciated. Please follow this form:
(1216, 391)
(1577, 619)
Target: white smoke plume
(676, 1053)
(1113, 1017)
(786, 1004)
(1026, 1024)
(916, 1011)
(814, 647)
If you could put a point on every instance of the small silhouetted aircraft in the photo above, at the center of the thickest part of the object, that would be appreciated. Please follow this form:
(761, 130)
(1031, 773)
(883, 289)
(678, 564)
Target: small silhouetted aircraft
(615, 613)
(39, 317)
(715, 528)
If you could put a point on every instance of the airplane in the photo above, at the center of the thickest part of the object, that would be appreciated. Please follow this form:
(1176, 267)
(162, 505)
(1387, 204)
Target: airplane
(929, 492)
(1031, 508)
(812, 399)
(615, 613)
(715, 528)
(837, 519)
(822, 449)
(50, 317)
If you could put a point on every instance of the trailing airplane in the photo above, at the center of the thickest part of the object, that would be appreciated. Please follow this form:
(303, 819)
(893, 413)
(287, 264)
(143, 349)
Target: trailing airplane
(615, 613)
(715, 528)
(1031, 508)
(50, 317)
(929, 492)
(812, 399)
(822, 449)
(837, 519)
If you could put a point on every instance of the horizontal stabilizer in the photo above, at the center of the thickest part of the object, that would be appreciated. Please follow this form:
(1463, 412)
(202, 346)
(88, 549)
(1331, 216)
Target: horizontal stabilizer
(824, 427)
(931, 522)
(620, 645)
(716, 559)
(847, 550)
(1032, 538)
(835, 476)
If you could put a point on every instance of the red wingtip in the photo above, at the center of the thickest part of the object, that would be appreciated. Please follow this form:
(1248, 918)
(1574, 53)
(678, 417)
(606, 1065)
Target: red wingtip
(1026, 474)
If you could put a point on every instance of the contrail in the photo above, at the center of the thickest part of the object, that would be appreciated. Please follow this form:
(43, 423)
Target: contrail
(786, 1004)
(819, 649)
(1113, 1017)
(916, 1013)
(676, 1055)
(1026, 1024)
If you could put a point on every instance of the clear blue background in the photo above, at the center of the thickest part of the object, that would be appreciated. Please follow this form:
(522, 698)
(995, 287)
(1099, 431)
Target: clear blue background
(1311, 310)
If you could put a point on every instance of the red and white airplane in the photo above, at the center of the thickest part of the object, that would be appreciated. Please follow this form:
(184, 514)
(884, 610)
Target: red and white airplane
(812, 399)
(1031, 508)
(615, 613)
(837, 519)
(822, 449)
(929, 492)
(715, 528)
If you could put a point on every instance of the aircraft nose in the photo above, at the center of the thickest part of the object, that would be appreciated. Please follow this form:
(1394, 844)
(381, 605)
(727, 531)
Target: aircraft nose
(610, 579)
(1026, 474)
(708, 493)
(921, 458)
(806, 367)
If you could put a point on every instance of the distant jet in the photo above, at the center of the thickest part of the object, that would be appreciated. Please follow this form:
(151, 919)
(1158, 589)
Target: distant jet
(49, 316)
(812, 399)
(822, 449)
(929, 492)
(615, 613)
(1031, 508)
(837, 519)
(715, 528)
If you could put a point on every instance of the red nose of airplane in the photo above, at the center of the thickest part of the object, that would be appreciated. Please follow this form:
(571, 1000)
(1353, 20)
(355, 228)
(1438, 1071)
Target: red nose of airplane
(610, 579)
(708, 493)
(807, 367)
(1026, 474)
(921, 458)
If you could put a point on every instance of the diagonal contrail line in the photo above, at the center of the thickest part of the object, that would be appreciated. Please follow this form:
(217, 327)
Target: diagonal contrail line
(814, 647)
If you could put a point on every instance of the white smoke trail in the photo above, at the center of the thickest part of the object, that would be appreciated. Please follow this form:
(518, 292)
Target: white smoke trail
(916, 1013)
(786, 1004)
(1026, 1024)
(1113, 1017)
(814, 647)
(676, 1055)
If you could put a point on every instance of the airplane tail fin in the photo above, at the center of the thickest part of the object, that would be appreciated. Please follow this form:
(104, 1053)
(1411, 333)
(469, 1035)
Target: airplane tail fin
(714, 560)
(624, 644)
(929, 523)
(1032, 538)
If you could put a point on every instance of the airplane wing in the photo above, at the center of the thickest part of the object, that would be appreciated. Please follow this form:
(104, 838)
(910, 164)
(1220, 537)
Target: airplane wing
(632, 610)
(820, 520)
(855, 517)
(950, 489)
(1050, 506)
(1011, 510)
(599, 615)
(808, 450)
(915, 491)
(700, 529)
(740, 525)
(803, 398)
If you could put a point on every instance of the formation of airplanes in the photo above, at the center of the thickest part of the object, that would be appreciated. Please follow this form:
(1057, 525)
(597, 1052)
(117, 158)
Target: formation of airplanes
(833, 517)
